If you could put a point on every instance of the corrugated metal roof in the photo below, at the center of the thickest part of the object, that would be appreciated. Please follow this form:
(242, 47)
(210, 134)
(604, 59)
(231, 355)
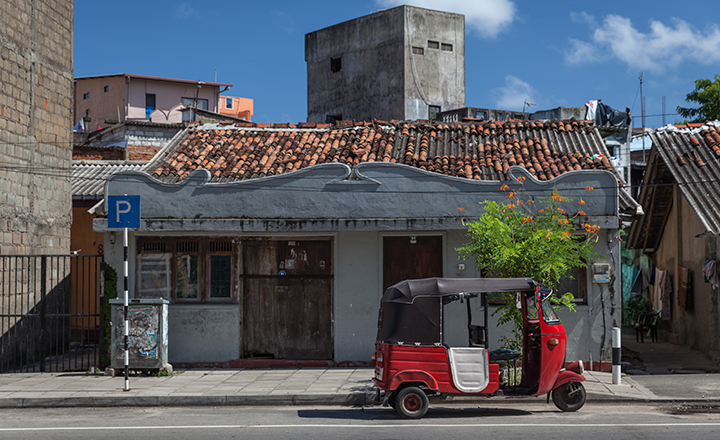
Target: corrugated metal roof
(694, 161)
(689, 160)
(89, 176)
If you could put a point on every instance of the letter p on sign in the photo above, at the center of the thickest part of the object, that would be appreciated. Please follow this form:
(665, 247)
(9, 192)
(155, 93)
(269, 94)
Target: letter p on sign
(124, 212)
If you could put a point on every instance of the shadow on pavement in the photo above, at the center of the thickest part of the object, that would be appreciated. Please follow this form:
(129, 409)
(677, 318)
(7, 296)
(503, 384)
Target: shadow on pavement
(381, 413)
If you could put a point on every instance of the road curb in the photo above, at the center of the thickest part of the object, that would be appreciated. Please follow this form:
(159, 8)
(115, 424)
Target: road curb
(356, 399)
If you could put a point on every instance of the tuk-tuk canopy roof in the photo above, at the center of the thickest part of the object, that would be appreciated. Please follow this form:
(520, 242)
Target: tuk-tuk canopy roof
(406, 291)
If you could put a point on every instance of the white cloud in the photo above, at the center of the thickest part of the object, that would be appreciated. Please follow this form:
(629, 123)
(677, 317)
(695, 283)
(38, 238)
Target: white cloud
(583, 17)
(487, 17)
(661, 47)
(184, 10)
(514, 94)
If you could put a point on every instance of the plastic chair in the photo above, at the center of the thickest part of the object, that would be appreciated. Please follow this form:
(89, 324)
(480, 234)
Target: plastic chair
(647, 321)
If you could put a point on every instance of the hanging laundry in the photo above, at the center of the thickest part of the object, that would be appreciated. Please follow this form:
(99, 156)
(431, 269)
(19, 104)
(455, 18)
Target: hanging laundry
(710, 268)
(641, 282)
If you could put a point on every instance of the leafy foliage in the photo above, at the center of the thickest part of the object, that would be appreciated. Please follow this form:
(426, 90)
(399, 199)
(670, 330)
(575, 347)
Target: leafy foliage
(707, 95)
(518, 239)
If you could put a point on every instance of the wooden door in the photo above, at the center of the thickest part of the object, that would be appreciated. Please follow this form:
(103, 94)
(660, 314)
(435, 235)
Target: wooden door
(287, 302)
(404, 260)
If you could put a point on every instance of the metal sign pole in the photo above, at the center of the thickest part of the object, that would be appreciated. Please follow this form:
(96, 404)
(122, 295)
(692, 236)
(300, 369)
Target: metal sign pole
(125, 309)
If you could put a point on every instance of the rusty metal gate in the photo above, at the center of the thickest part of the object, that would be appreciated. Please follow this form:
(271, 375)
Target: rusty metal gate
(50, 312)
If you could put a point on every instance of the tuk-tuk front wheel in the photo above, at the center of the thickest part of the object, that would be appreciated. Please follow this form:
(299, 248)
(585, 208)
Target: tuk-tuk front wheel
(412, 403)
(569, 396)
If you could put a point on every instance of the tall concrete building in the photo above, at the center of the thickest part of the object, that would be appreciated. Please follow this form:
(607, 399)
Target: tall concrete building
(36, 68)
(403, 63)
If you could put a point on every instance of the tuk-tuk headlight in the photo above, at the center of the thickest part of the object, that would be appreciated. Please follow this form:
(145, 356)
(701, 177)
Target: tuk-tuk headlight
(553, 342)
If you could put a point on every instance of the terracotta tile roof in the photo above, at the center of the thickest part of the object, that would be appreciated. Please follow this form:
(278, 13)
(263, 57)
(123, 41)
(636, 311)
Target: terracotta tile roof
(474, 150)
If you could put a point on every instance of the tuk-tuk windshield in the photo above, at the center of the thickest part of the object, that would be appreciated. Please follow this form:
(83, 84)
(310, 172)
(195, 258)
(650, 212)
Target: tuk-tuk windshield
(548, 312)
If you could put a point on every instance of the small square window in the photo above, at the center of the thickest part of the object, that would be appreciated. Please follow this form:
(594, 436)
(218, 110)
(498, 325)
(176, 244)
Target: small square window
(433, 111)
(106, 88)
(447, 47)
(336, 64)
(418, 50)
(480, 115)
(433, 44)
(86, 96)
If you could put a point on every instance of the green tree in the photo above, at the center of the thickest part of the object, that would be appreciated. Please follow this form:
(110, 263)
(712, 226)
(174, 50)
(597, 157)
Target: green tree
(525, 239)
(707, 95)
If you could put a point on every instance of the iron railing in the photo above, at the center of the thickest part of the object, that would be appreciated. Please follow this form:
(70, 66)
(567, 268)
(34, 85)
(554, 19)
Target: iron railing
(50, 312)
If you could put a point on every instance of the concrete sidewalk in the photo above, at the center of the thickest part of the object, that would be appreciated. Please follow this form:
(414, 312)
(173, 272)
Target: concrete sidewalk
(303, 386)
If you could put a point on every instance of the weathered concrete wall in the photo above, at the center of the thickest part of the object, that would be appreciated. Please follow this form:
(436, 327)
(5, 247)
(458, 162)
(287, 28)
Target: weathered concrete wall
(437, 77)
(203, 333)
(680, 245)
(36, 56)
(370, 82)
(380, 77)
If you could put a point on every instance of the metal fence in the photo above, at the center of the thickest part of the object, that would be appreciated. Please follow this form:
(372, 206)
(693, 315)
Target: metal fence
(50, 312)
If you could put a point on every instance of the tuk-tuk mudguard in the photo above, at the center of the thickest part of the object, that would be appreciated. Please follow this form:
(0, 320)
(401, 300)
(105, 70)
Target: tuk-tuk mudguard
(566, 376)
(412, 376)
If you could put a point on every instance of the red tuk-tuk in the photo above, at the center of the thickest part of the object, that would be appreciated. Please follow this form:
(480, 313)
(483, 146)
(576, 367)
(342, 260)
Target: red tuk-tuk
(413, 362)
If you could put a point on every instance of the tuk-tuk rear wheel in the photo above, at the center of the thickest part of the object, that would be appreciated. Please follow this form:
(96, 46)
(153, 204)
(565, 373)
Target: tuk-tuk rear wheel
(412, 403)
(569, 396)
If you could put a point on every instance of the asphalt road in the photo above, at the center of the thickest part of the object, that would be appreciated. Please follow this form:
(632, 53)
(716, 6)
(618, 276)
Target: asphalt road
(526, 421)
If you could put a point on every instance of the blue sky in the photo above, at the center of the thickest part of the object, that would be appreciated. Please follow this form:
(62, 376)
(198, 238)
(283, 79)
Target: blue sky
(560, 53)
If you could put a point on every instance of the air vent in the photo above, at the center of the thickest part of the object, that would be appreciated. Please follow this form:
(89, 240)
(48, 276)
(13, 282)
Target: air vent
(153, 247)
(221, 246)
(187, 246)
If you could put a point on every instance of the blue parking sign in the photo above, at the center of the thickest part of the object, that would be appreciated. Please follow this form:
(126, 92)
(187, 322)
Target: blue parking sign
(124, 212)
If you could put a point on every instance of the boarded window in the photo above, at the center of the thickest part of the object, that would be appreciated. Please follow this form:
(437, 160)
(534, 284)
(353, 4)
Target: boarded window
(446, 46)
(433, 111)
(433, 44)
(418, 50)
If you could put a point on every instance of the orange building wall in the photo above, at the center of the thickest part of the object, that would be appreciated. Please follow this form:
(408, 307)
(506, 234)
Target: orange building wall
(241, 108)
(85, 298)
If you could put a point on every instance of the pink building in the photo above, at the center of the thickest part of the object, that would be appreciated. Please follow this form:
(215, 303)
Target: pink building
(108, 99)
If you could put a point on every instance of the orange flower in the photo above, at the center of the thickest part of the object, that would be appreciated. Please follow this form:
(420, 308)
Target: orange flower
(581, 202)
(521, 179)
(582, 213)
(589, 188)
(504, 187)
(461, 209)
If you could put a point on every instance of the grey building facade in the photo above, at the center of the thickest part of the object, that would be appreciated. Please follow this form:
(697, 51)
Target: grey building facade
(404, 63)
